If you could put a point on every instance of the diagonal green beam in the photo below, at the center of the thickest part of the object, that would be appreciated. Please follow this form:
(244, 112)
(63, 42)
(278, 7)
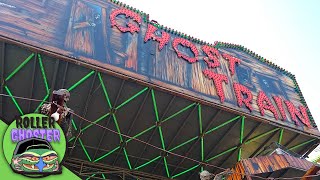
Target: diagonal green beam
(90, 176)
(95, 122)
(163, 147)
(105, 94)
(183, 172)
(222, 153)
(74, 124)
(172, 149)
(179, 112)
(43, 74)
(14, 100)
(81, 81)
(42, 102)
(136, 136)
(80, 141)
(145, 164)
(201, 131)
(261, 135)
(280, 136)
(132, 97)
(91, 124)
(166, 166)
(82, 146)
(241, 137)
(117, 126)
(160, 130)
(19, 67)
(121, 139)
(223, 124)
(127, 158)
(242, 129)
(155, 108)
(184, 143)
(104, 90)
(302, 144)
(141, 133)
(85, 150)
(103, 176)
(107, 154)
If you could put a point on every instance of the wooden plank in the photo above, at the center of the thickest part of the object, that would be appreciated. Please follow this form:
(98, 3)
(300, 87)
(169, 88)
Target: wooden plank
(276, 164)
(200, 82)
(105, 35)
(80, 34)
(312, 171)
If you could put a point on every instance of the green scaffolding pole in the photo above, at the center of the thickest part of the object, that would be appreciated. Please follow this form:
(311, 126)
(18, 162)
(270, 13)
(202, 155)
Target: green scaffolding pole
(302, 144)
(183, 172)
(223, 124)
(104, 90)
(121, 140)
(95, 122)
(42, 102)
(133, 97)
(91, 176)
(160, 130)
(19, 67)
(280, 136)
(201, 134)
(136, 136)
(222, 153)
(241, 137)
(145, 164)
(81, 81)
(85, 150)
(80, 141)
(14, 100)
(107, 154)
(11, 75)
(43, 74)
(261, 135)
(179, 112)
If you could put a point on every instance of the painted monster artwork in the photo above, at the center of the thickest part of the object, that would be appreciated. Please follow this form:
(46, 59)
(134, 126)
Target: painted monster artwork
(35, 156)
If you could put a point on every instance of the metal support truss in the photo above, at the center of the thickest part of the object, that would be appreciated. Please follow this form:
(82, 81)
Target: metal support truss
(98, 170)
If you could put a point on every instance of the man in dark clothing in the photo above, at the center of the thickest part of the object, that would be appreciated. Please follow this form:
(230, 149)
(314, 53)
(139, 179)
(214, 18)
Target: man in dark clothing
(59, 111)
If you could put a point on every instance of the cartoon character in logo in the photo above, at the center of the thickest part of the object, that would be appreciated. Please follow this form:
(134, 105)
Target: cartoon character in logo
(35, 156)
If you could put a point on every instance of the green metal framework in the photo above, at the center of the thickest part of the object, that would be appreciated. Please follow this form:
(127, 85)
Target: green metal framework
(158, 124)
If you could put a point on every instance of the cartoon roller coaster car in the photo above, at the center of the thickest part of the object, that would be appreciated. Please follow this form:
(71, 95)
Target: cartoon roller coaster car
(35, 156)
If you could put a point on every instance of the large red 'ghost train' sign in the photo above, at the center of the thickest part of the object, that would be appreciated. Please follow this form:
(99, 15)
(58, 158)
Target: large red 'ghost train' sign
(243, 94)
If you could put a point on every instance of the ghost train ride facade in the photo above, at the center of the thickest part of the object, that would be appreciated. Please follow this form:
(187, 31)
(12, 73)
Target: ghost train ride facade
(153, 103)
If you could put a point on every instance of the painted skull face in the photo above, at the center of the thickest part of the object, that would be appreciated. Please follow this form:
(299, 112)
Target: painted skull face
(35, 159)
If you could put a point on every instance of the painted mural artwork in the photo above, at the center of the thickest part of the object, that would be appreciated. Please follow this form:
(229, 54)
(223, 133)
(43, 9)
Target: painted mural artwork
(111, 36)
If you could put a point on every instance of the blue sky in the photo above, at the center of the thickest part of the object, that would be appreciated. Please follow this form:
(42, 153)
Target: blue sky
(283, 31)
